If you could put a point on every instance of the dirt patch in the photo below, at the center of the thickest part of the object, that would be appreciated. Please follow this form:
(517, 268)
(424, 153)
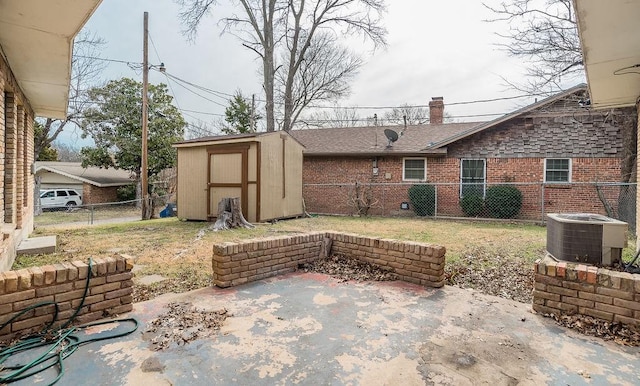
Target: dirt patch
(186, 278)
(181, 324)
(492, 273)
(345, 269)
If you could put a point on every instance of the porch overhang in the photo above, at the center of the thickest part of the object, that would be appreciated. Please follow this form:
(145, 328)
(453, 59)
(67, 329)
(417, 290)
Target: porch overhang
(36, 40)
(610, 38)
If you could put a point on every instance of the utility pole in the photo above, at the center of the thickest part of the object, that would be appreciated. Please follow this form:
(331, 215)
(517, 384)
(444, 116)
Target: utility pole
(144, 168)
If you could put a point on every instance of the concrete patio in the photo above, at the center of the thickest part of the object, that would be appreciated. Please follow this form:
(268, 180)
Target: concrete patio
(312, 329)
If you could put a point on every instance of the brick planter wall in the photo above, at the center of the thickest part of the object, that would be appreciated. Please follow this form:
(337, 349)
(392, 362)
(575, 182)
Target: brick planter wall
(567, 288)
(251, 260)
(110, 293)
(417, 263)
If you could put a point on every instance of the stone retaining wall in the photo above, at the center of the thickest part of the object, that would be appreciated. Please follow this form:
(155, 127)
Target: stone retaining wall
(251, 260)
(567, 288)
(110, 292)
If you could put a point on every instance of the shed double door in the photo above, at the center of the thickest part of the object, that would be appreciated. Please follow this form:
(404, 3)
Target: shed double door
(228, 176)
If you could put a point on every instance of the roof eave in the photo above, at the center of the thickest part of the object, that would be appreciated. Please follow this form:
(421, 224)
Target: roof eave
(431, 152)
(81, 179)
(610, 42)
(36, 38)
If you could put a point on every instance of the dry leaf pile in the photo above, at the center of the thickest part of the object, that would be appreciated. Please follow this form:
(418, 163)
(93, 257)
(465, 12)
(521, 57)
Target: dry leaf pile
(182, 324)
(587, 325)
(346, 269)
(492, 274)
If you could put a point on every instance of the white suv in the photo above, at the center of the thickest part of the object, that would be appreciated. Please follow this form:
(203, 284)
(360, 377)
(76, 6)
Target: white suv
(59, 198)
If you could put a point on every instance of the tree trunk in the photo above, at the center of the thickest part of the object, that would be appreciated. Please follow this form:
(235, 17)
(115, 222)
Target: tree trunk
(268, 68)
(325, 247)
(230, 215)
(36, 197)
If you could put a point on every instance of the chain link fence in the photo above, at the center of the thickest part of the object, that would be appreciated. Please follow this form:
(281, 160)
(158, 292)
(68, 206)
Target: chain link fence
(99, 213)
(513, 200)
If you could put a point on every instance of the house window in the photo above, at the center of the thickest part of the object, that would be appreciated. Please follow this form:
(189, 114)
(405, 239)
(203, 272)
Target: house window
(414, 169)
(557, 170)
(472, 177)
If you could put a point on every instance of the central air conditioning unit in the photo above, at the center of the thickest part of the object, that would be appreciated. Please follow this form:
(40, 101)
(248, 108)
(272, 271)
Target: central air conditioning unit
(586, 238)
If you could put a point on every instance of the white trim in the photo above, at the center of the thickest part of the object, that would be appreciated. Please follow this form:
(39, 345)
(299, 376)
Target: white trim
(404, 167)
(78, 178)
(484, 177)
(570, 175)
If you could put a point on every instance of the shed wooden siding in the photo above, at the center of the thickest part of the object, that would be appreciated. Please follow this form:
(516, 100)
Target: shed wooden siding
(283, 195)
(192, 183)
(274, 177)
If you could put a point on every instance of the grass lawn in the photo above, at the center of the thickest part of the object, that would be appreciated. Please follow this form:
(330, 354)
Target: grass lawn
(181, 250)
(83, 214)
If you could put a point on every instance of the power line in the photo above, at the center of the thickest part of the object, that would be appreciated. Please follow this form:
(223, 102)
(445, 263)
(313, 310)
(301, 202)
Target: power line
(175, 97)
(225, 95)
(203, 112)
(219, 94)
(200, 95)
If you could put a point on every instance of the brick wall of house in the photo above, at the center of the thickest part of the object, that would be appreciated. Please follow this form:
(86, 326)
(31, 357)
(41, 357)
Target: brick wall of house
(95, 195)
(566, 288)
(16, 157)
(329, 184)
(251, 260)
(514, 152)
(110, 292)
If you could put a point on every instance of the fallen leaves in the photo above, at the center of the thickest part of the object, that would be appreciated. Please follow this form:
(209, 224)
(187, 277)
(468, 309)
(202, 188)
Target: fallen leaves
(617, 332)
(491, 273)
(182, 324)
(505, 276)
(346, 269)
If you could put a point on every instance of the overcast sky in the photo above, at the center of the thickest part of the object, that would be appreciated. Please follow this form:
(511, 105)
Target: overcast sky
(435, 48)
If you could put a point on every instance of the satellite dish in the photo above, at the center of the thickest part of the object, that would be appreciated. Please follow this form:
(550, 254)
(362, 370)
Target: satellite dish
(391, 135)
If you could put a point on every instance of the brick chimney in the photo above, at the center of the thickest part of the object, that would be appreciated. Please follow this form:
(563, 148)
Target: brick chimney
(436, 110)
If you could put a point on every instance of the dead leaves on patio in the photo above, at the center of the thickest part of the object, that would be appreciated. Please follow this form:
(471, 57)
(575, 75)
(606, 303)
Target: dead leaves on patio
(181, 324)
(587, 325)
(346, 269)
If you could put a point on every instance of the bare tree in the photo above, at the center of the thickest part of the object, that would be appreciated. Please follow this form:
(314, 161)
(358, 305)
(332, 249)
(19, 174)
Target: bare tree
(334, 117)
(323, 75)
(84, 72)
(67, 153)
(545, 34)
(296, 32)
(415, 115)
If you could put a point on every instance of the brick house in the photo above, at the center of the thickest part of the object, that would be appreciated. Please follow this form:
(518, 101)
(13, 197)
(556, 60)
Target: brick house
(36, 39)
(95, 185)
(552, 150)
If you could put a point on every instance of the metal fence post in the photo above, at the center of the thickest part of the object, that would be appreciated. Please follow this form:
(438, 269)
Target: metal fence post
(91, 211)
(542, 200)
(435, 210)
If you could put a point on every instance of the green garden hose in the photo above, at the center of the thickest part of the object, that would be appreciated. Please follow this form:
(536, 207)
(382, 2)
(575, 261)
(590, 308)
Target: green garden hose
(58, 344)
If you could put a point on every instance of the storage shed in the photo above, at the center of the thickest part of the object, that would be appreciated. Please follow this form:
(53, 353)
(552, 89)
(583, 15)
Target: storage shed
(263, 169)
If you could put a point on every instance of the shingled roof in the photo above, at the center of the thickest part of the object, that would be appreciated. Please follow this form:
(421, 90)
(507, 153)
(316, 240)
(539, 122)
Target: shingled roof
(369, 141)
(92, 175)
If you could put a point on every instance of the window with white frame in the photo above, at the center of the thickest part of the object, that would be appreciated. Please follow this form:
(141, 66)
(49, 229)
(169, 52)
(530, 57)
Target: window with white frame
(472, 177)
(557, 170)
(414, 169)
